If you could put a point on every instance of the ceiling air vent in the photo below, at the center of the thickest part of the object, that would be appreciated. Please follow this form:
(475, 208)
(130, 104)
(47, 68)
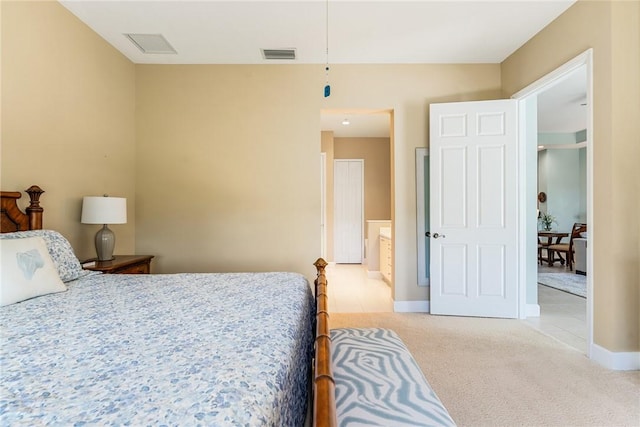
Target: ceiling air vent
(278, 53)
(151, 43)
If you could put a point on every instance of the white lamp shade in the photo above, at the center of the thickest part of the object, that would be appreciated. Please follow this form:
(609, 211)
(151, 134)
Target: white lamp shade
(104, 210)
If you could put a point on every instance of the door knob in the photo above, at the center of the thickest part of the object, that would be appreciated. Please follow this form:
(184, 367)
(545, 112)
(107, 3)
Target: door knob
(436, 235)
(428, 234)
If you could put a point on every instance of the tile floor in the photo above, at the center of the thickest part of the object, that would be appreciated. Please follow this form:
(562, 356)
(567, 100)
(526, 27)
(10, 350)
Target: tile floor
(562, 315)
(351, 291)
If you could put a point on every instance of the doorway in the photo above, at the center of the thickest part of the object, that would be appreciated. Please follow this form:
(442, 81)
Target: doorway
(350, 134)
(528, 101)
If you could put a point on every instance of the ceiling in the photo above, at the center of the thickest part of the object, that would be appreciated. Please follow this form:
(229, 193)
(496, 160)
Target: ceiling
(357, 32)
(563, 107)
(360, 31)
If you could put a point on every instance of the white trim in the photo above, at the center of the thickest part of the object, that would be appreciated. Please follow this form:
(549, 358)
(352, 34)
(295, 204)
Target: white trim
(590, 217)
(540, 85)
(617, 361)
(521, 202)
(411, 306)
(421, 153)
(532, 310)
(556, 76)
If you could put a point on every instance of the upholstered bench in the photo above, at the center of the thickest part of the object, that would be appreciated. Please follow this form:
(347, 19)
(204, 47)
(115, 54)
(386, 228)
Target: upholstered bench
(378, 383)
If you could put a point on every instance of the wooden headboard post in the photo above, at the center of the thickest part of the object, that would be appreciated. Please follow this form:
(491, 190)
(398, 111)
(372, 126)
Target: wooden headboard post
(13, 219)
(34, 211)
(324, 400)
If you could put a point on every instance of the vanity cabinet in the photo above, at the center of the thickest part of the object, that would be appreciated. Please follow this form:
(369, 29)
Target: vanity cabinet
(385, 259)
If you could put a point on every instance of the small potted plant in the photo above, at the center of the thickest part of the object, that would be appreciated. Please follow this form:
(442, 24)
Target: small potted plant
(547, 220)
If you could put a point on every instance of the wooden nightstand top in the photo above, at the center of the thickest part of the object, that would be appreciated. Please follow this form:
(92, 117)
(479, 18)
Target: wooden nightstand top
(122, 264)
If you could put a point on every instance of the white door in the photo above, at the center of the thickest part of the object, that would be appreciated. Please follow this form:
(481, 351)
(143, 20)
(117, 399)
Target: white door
(474, 212)
(348, 215)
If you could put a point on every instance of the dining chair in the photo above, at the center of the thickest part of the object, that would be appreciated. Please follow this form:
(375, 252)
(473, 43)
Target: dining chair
(541, 246)
(567, 248)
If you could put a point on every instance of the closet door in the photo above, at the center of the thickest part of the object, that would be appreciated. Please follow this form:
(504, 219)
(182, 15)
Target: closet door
(348, 211)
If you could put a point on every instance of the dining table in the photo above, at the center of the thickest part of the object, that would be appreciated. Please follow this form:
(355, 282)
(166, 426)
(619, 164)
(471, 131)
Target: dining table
(547, 238)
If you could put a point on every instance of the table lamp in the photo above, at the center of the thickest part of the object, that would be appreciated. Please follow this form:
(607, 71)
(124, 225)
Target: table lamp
(104, 210)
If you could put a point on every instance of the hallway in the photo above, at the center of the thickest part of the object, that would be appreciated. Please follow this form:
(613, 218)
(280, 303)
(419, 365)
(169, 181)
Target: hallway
(351, 291)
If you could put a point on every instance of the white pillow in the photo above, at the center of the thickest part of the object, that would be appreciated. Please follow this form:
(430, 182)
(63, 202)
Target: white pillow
(60, 249)
(26, 270)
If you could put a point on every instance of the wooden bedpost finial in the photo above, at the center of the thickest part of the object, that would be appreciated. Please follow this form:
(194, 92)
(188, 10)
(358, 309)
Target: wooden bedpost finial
(34, 210)
(34, 193)
(320, 264)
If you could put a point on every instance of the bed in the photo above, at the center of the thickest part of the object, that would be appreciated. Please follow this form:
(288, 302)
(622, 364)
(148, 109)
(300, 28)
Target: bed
(161, 349)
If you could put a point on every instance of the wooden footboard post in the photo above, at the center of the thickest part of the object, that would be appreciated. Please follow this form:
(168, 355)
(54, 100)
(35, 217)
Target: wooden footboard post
(324, 400)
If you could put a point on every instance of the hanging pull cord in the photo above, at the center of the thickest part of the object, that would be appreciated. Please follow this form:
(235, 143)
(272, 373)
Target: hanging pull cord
(327, 87)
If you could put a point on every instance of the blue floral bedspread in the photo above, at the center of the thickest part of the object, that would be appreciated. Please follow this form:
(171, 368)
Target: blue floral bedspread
(177, 349)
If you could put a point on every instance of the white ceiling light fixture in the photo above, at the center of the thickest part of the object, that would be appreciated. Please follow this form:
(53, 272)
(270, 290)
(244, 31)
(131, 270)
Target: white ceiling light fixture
(346, 122)
(151, 43)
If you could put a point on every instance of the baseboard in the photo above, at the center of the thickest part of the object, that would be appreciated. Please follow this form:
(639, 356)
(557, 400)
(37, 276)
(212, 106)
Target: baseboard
(532, 310)
(374, 275)
(411, 306)
(617, 361)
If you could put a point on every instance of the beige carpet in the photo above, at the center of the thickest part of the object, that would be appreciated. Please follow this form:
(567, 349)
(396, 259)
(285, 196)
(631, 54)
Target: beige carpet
(497, 372)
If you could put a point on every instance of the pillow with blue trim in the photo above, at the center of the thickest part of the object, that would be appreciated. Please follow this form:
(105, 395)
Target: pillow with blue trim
(26, 270)
(60, 250)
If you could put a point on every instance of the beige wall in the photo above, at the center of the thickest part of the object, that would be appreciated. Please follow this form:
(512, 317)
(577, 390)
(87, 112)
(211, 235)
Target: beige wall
(68, 119)
(228, 177)
(227, 174)
(377, 172)
(611, 29)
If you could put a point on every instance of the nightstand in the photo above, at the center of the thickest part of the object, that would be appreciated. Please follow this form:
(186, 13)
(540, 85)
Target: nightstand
(121, 264)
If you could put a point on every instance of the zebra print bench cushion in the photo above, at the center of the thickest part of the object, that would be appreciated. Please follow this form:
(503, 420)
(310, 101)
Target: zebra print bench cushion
(378, 383)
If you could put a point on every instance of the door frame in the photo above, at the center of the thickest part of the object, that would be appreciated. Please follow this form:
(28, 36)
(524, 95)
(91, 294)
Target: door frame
(323, 205)
(526, 219)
